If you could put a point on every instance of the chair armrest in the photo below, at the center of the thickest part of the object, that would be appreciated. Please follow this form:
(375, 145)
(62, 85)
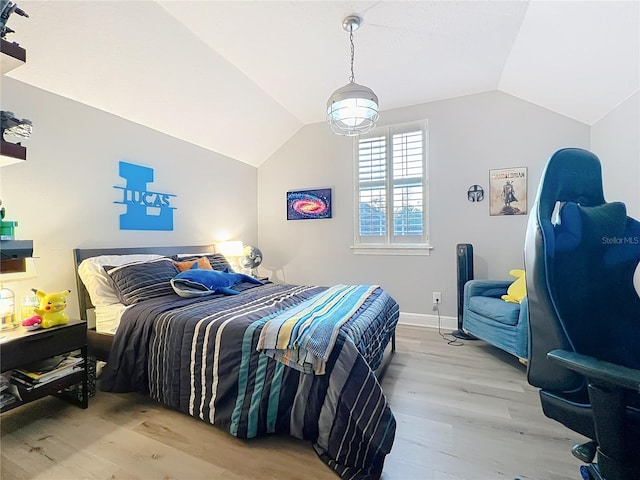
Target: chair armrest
(478, 287)
(594, 369)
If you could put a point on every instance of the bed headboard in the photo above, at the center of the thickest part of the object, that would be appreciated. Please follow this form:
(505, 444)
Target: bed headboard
(79, 254)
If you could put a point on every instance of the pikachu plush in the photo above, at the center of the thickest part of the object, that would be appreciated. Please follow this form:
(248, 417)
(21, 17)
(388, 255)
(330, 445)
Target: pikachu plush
(51, 311)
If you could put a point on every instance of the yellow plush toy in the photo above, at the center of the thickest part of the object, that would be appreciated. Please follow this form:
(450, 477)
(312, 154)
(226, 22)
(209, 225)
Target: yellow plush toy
(51, 310)
(518, 289)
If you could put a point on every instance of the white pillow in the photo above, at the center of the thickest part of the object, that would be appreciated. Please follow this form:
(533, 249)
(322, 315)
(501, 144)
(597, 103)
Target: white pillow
(98, 283)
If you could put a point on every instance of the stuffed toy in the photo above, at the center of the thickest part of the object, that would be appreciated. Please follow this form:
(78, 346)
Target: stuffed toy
(198, 282)
(51, 311)
(32, 323)
(518, 289)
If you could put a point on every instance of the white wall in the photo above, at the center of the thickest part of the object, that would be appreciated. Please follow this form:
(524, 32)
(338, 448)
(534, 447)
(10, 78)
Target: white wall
(62, 196)
(616, 141)
(468, 136)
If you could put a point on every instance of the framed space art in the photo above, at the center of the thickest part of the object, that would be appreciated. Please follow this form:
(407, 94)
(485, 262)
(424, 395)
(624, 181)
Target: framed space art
(309, 204)
(508, 191)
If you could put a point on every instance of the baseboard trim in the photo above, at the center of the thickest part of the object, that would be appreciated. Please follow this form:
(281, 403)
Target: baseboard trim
(430, 321)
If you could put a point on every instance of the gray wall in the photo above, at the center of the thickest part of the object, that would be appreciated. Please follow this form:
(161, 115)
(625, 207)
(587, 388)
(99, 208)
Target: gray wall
(616, 141)
(62, 196)
(468, 136)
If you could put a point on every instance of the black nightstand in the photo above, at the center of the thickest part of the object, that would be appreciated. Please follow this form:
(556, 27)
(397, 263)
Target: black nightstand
(20, 347)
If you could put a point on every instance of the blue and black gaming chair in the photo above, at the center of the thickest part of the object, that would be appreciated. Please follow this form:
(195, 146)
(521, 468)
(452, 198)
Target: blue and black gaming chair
(581, 254)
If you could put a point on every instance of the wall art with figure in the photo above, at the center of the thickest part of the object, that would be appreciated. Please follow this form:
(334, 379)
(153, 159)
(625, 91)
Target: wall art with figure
(508, 191)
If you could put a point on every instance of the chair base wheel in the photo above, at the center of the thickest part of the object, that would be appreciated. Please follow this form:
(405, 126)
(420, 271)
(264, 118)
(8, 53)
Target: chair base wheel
(585, 451)
(590, 472)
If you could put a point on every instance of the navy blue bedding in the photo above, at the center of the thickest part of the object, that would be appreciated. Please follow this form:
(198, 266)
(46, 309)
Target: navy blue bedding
(198, 355)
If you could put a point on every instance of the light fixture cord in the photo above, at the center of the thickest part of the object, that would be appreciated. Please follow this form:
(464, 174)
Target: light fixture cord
(352, 78)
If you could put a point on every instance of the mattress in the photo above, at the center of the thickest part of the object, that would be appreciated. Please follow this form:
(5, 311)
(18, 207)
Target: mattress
(108, 317)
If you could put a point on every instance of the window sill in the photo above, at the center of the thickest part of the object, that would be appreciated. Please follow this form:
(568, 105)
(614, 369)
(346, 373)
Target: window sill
(408, 249)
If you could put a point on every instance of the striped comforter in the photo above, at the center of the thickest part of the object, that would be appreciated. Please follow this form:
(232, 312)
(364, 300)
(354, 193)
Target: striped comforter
(199, 355)
(303, 336)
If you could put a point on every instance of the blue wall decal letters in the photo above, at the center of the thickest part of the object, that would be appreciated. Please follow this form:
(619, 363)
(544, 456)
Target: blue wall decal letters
(146, 210)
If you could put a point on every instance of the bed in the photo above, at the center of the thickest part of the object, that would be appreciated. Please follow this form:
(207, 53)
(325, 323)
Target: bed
(230, 360)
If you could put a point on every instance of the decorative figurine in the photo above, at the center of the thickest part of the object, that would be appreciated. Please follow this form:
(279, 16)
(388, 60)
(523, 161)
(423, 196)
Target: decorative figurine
(11, 125)
(6, 9)
(50, 312)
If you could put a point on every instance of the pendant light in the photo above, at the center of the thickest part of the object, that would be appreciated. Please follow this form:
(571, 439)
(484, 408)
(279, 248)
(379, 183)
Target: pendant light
(352, 109)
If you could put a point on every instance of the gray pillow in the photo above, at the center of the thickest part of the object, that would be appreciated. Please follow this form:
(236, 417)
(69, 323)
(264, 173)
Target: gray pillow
(135, 282)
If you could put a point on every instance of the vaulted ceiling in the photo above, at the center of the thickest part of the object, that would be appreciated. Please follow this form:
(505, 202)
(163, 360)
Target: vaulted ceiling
(241, 77)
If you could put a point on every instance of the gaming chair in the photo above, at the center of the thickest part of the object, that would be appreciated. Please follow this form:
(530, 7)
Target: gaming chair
(581, 256)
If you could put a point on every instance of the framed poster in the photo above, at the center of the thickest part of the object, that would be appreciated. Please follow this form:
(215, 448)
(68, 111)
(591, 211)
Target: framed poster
(309, 204)
(508, 191)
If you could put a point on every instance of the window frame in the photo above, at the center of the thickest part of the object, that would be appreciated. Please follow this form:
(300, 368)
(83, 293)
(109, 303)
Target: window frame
(392, 244)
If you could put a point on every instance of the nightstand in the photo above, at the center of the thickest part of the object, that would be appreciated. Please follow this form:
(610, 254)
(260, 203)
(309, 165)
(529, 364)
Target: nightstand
(20, 347)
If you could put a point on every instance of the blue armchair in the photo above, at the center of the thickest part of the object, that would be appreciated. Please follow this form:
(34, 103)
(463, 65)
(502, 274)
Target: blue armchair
(486, 316)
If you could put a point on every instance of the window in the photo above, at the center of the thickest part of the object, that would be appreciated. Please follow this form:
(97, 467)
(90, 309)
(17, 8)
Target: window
(391, 190)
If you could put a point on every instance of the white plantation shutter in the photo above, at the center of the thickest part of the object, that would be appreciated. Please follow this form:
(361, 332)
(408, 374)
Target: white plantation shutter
(372, 159)
(408, 173)
(372, 174)
(391, 188)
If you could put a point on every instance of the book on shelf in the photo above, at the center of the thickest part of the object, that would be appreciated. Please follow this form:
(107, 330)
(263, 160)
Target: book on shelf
(33, 378)
(5, 380)
(6, 399)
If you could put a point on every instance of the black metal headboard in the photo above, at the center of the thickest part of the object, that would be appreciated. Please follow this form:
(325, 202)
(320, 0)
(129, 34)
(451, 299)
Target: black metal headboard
(79, 254)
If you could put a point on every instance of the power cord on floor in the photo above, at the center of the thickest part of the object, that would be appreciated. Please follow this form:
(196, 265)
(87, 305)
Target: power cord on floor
(451, 340)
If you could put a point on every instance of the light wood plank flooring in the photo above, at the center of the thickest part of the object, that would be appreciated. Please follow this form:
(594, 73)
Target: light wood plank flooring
(463, 412)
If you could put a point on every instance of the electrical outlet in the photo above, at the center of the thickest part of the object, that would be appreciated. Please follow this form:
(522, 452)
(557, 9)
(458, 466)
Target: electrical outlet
(437, 298)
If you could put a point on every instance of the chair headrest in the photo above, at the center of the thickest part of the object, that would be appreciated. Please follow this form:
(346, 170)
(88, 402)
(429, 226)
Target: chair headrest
(588, 226)
(571, 175)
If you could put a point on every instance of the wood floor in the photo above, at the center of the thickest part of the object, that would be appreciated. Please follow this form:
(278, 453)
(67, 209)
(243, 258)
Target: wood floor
(463, 412)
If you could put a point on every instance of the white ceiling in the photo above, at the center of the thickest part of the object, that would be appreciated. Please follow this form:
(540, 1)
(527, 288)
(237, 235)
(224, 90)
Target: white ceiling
(241, 77)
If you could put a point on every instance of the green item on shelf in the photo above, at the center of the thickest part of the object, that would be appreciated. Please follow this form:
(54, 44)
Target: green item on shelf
(7, 230)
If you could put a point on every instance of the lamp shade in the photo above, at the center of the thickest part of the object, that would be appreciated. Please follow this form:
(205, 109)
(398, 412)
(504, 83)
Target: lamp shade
(352, 110)
(231, 248)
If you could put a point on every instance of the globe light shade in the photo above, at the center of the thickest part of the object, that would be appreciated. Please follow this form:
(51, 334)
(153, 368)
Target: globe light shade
(352, 110)
(7, 309)
(18, 270)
